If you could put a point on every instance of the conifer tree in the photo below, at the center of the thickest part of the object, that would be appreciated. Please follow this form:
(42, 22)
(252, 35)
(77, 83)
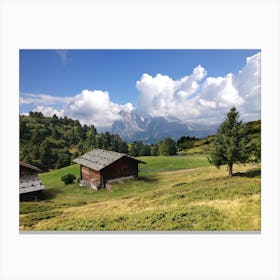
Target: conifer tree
(231, 143)
(45, 152)
(167, 147)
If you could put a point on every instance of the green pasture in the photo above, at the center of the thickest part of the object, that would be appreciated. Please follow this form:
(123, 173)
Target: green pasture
(170, 163)
(172, 193)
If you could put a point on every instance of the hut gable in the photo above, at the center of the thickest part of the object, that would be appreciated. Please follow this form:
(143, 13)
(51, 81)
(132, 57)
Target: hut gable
(100, 166)
(27, 169)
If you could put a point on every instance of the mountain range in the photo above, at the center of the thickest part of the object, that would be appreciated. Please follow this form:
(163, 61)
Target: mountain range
(134, 127)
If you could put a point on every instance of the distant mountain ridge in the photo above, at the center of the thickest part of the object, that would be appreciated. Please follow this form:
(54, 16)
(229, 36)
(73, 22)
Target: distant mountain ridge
(133, 127)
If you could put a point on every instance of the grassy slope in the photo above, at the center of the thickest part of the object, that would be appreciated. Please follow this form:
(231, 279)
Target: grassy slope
(163, 163)
(197, 198)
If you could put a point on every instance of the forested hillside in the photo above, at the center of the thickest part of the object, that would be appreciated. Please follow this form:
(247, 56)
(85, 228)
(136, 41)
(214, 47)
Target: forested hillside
(52, 142)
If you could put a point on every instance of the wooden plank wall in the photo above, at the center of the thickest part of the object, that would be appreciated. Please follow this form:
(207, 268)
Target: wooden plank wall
(121, 168)
(90, 175)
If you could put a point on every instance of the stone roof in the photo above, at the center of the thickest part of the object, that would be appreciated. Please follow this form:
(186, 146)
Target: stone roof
(97, 159)
(30, 183)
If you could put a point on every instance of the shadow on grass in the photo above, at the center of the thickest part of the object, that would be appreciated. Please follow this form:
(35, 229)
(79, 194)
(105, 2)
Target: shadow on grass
(147, 179)
(249, 174)
(49, 194)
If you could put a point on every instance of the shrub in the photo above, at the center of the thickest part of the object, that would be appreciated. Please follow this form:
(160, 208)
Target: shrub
(68, 178)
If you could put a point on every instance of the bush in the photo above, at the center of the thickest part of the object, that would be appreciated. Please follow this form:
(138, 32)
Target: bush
(68, 178)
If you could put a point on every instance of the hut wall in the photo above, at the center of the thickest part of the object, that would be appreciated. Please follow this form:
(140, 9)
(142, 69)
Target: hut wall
(90, 175)
(121, 168)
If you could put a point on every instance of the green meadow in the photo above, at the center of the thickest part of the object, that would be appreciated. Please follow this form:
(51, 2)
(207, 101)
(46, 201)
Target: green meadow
(180, 193)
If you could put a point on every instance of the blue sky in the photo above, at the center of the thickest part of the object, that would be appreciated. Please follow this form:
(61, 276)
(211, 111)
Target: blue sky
(63, 75)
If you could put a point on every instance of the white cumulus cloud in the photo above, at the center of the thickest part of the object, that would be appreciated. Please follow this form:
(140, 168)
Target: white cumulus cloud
(90, 107)
(163, 96)
(193, 98)
(95, 107)
(248, 83)
(242, 90)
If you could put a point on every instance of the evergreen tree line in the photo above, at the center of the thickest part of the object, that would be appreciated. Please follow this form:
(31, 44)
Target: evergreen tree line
(165, 147)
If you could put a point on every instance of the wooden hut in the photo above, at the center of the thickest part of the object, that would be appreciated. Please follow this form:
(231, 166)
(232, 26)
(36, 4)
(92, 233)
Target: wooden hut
(98, 167)
(30, 186)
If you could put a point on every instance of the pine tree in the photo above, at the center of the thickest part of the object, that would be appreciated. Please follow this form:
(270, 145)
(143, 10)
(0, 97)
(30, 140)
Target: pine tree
(167, 147)
(116, 142)
(123, 147)
(155, 151)
(45, 152)
(231, 143)
(107, 144)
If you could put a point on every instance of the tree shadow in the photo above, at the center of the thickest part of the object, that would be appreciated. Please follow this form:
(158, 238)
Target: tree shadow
(147, 179)
(249, 174)
(48, 194)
